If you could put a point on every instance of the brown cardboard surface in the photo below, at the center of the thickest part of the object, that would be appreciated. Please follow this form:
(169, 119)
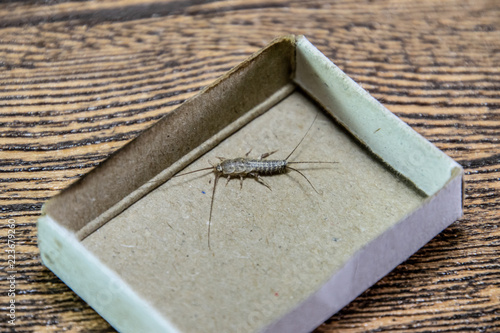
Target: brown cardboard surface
(270, 249)
(251, 83)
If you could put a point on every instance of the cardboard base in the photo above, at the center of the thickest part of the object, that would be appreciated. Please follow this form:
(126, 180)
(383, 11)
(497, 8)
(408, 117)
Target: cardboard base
(270, 249)
(133, 242)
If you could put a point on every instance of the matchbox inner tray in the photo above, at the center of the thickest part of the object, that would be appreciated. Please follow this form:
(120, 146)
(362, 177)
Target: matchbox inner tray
(133, 242)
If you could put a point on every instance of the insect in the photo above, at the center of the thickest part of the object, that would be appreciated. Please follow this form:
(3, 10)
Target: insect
(244, 167)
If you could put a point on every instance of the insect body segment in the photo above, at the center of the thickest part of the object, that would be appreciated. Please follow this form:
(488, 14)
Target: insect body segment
(243, 167)
(246, 166)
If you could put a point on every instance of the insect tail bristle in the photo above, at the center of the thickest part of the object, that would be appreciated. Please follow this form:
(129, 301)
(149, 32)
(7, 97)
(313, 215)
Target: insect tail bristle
(308, 162)
(300, 173)
(286, 159)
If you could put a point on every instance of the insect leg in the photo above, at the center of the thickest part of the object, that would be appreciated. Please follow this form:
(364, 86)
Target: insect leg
(266, 154)
(259, 179)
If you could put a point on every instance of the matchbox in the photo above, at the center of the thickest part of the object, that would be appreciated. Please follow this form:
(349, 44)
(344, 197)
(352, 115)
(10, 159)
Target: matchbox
(132, 240)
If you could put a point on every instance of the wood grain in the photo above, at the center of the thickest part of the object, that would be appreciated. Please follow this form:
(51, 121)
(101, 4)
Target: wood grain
(79, 79)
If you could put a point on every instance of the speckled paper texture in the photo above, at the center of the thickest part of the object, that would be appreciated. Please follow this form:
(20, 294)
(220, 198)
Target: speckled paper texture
(269, 248)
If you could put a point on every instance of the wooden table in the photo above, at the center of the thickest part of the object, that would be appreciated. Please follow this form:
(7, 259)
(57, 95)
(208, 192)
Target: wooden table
(79, 79)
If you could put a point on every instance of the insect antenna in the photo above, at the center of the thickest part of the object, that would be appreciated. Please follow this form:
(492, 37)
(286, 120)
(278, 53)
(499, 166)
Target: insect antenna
(189, 172)
(217, 176)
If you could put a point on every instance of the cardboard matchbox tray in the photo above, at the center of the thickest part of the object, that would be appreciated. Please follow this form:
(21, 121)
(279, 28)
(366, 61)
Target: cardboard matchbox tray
(132, 241)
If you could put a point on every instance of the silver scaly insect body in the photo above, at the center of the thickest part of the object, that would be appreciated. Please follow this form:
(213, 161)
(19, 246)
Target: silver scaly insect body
(243, 167)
